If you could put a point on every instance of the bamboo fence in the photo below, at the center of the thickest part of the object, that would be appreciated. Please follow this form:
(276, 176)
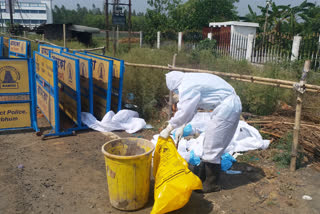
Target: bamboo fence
(246, 78)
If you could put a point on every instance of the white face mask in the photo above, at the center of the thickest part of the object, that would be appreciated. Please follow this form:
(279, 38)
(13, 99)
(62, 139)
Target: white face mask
(175, 98)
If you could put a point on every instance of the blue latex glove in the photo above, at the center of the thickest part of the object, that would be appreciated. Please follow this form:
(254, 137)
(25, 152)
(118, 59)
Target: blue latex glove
(186, 131)
(226, 161)
(194, 160)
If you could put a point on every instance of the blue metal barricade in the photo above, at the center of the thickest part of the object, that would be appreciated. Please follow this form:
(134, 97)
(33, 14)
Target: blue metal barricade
(58, 89)
(45, 49)
(1, 47)
(102, 83)
(117, 80)
(86, 82)
(17, 95)
(69, 85)
(19, 48)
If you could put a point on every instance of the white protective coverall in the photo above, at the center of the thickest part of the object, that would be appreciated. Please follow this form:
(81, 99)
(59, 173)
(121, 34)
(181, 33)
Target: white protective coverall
(210, 92)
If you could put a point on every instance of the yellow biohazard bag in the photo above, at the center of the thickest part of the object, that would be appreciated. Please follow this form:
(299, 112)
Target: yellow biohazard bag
(174, 182)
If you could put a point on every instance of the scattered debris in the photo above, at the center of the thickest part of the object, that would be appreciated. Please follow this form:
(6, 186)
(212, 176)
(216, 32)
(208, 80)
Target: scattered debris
(148, 126)
(279, 126)
(233, 172)
(270, 133)
(249, 169)
(307, 198)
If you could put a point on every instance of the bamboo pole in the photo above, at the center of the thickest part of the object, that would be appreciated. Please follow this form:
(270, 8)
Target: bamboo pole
(272, 84)
(286, 123)
(297, 122)
(89, 49)
(44, 42)
(238, 76)
(269, 133)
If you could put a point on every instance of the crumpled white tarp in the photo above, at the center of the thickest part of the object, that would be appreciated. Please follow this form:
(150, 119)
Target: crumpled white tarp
(246, 138)
(127, 120)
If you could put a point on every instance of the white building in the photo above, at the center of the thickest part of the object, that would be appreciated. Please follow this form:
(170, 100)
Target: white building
(244, 28)
(232, 37)
(29, 13)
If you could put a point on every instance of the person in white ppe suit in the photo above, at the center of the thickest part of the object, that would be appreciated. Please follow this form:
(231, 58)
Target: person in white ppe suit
(210, 92)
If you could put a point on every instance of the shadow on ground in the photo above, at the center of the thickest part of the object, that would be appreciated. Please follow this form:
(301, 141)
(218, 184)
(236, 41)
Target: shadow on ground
(249, 174)
(197, 203)
(17, 131)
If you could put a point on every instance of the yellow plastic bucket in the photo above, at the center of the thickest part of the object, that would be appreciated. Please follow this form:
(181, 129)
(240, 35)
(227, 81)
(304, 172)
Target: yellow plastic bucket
(128, 167)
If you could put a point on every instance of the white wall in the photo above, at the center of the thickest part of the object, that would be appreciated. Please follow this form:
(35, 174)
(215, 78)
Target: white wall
(49, 11)
(238, 43)
(243, 30)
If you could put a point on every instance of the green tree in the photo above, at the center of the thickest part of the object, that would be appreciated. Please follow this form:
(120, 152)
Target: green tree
(138, 22)
(196, 14)
(163, 6)
(154, 22)
(157, 18)
(295, 14)
(311, 20)
(287, 19)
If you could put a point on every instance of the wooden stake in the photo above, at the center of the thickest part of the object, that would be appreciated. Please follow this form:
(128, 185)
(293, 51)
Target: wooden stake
(107, 23)
(296, 128)
(117, 38)
(129, 24)
(114, 41)
(171, 93)
(64, 36)
(11, 7)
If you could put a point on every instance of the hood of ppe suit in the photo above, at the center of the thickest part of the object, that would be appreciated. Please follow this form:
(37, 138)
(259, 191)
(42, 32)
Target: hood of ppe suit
(174, 79)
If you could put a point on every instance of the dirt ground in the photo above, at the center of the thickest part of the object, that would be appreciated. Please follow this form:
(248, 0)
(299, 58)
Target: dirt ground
(67, 175)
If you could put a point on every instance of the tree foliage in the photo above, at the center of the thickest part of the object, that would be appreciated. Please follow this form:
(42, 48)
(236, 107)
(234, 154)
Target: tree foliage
(300, 19)
(93, 17)
(89, 17)
(196, 14)
(176, 15)
(166, 15)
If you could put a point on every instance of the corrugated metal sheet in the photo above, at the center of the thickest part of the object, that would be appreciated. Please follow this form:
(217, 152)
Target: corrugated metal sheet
(80, 28)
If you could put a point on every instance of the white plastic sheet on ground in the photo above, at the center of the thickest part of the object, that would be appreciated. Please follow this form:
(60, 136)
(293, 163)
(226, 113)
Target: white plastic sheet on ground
(245, 138)
(127, 120)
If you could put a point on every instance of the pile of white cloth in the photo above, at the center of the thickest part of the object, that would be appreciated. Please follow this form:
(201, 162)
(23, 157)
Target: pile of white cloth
(245, 138)
(127, 120)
